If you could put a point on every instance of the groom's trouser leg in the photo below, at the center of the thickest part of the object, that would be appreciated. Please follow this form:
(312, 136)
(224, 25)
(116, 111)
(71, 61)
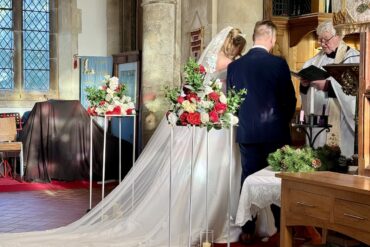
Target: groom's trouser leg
(251, 163)
(253, 159)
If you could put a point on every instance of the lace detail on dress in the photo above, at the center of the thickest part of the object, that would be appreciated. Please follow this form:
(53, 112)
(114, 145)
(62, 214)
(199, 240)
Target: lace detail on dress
(211, 62)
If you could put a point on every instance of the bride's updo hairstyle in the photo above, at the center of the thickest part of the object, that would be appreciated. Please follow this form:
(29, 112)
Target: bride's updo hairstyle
(234, 44)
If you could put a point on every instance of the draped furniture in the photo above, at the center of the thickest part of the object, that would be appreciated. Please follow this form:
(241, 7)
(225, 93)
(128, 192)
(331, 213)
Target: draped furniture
(56, 141)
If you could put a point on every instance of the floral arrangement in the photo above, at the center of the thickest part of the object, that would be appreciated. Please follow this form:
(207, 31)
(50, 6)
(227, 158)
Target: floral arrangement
(202, 103)
(306, 159)
(109, 99)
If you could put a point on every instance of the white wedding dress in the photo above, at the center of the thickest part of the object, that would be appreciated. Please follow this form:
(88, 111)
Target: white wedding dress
(136, 213)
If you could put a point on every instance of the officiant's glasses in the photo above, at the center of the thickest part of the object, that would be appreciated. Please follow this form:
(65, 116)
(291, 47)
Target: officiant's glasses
(324, 41)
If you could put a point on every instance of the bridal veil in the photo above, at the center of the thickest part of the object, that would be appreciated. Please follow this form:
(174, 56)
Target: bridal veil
(137, 212)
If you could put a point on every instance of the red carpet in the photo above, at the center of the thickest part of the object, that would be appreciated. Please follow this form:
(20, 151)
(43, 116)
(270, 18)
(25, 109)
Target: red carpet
(12, 185)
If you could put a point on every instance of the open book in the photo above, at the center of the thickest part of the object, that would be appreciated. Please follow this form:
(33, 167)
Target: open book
(311, 73)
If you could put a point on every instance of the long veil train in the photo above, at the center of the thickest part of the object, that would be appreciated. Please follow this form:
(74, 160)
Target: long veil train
(136, 213)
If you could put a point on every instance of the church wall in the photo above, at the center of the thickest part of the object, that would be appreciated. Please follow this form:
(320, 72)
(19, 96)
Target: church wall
(83, 32)
(241, 14)
(92, 40)
(214, 15)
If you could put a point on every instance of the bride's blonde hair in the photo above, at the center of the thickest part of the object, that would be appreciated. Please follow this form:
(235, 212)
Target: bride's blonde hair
(234, 44)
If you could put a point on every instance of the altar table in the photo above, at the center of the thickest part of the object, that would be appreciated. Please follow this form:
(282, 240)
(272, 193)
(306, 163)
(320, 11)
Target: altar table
(259, 191)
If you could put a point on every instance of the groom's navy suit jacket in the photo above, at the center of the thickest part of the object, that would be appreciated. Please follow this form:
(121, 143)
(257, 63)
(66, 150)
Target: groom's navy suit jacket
(269, 105)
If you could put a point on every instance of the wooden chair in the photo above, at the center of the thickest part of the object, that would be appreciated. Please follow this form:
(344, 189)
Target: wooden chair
(8, 145)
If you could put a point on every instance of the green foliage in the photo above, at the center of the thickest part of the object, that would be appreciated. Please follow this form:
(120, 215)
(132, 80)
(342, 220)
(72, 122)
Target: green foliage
(95, 95)
(171, 94)
(193, 77)
(235, 99)
(292, 160)
(289, 159)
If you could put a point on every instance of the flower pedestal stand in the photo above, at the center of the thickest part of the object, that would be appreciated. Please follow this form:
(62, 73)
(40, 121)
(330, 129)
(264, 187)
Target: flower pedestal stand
(104, 152)
(206, 236)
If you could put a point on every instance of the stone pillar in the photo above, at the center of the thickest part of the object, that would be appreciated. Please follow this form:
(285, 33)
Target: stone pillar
(159, 58)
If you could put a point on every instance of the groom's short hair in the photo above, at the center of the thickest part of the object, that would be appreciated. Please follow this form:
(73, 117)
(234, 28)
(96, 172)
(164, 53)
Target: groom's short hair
(264, 28)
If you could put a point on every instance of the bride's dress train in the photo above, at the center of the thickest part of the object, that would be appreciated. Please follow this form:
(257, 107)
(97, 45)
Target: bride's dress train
(136, 212)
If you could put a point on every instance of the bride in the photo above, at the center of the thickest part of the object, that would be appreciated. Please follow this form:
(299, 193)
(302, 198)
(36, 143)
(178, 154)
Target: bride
(137, 212)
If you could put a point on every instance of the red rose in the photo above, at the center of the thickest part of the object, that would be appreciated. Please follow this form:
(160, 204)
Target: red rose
(192, 97)
(194, 118)
(214, 96)
(118, 89)
(180, 99)
(91, 111)
(213, 116)
(102, 102)
(220, 107)
(202, 70)
(116, 111)
(104, 87)
(129, 111)
(183, 118)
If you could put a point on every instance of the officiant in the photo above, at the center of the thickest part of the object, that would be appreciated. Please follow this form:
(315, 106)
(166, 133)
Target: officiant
(326, 96)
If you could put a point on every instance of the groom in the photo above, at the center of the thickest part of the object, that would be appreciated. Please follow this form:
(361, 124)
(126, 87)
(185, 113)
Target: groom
(269, 105)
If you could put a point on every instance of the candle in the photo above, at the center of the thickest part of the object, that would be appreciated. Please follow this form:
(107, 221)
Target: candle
(301, 116)
(312, 100)
(206, 244)
(323, 109)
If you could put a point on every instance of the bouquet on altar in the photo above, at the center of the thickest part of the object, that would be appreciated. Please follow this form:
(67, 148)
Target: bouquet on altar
(201, 102)
(109, 99)
(306, 159)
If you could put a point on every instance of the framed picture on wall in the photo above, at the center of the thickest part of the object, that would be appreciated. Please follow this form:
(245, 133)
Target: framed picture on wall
(128, 75)
(127, 68)
(196, 42)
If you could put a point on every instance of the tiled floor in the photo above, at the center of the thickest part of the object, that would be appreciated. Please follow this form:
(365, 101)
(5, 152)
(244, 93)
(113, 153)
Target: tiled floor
(41, 210)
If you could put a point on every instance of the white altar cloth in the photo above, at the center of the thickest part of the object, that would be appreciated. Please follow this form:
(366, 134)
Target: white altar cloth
(260, 190)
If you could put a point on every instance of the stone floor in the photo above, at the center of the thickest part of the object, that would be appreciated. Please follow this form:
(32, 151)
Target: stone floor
(47, 209)
(41, 210)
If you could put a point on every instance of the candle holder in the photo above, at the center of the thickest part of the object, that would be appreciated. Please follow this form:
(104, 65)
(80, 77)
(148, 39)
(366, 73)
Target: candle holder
(312, 119)
(206, 238)
(323, 120)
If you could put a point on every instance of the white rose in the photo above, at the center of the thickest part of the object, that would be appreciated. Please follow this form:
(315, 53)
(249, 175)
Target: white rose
(99, 111)
(128, 98)
(172, 118)
(124, 107)
(108, 97)
(208, 90)
(206, 104)
(234, 120)
(113, 83)
(204, 117)
(110, 107)
(131, 105)
(110, 91)
(218, 84)
(223, 98)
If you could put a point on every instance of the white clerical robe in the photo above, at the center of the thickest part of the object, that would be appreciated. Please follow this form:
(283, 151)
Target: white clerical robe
(346, 103)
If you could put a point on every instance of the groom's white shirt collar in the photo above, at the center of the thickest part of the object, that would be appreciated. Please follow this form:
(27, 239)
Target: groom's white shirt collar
(260, 46)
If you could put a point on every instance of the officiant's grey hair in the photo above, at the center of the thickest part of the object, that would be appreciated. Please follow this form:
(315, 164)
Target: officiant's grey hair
(326, 26)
